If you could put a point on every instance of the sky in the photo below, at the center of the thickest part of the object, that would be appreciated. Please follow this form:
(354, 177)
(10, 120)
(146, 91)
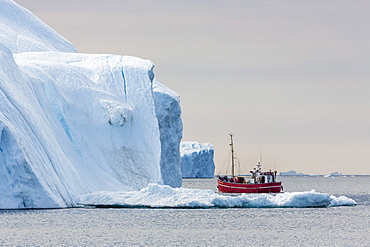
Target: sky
(290, 79)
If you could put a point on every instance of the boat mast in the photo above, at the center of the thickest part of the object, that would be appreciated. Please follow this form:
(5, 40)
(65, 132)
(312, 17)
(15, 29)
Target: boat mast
(232, 155)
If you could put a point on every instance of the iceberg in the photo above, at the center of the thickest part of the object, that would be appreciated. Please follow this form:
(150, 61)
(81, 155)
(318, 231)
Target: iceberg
(291, 173)
(197, 160)
(159, 196)
(72, 124)
(334, 174)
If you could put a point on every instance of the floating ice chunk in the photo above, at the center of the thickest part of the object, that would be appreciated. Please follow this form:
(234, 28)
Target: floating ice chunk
(164, 196)
(341, 201)
(153, 196)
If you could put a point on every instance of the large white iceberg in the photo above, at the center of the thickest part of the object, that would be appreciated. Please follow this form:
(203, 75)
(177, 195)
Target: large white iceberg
(197, 160)
(72, 123)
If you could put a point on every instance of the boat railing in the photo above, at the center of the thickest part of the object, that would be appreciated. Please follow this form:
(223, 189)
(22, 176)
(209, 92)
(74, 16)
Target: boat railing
(256, 178)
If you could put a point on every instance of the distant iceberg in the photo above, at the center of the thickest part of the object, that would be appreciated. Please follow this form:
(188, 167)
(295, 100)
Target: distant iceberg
(291, 173)
(334, 174)
(294, 173)
(197, 160)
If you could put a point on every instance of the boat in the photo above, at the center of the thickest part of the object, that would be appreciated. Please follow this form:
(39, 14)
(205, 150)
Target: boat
(258, 182)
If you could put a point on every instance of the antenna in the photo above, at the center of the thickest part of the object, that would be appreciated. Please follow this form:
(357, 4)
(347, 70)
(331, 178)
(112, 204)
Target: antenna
(260, 151)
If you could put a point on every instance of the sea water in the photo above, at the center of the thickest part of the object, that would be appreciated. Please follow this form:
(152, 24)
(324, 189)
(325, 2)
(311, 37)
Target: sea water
(330, 226)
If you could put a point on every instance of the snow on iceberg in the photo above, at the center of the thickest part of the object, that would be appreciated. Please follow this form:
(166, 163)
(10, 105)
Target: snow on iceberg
(21, 31)
(157, 196)
(74, 123)
(197, 160)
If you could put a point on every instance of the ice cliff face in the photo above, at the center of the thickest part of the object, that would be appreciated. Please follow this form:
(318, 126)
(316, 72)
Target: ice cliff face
(74, 123)
(167, 105)
(104, 104)
(197, 160)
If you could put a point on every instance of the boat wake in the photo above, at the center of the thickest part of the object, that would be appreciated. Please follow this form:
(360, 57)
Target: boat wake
(159, 196)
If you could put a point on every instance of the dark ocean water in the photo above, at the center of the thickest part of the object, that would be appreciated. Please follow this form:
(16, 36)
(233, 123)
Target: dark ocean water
(333, 226)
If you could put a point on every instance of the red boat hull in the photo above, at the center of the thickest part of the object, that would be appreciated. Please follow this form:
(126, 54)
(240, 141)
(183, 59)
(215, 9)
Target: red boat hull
(228, 187)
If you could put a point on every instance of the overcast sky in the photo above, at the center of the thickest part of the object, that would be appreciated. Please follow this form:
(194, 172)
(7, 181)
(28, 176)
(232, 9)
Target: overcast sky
(288, 77)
